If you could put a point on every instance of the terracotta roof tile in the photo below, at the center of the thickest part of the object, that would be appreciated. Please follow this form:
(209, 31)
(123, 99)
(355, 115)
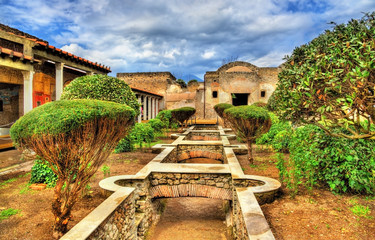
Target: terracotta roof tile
(19, 55)
(45, 44)
(145, 91)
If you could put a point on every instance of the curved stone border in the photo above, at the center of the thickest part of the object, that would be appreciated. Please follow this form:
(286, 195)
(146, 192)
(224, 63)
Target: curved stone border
(246, 192)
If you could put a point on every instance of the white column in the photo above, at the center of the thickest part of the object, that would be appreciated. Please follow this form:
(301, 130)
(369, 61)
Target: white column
(149, 109)
(144, 108)
(153, 107)
(59, 79)
(140, 112)
(27, 91)
(157, 106)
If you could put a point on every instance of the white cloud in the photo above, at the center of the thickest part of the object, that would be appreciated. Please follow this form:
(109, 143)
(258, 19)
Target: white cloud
(208, 54)
(191, 36)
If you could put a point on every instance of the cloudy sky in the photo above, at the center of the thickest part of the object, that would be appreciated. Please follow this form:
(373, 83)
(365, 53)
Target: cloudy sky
(182, 37)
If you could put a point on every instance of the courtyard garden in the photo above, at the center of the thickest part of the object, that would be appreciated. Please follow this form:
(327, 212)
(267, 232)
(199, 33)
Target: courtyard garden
(315, 135)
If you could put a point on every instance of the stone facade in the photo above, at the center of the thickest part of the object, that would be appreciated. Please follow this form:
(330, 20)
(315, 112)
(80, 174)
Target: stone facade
(121, 224)
(252, 83)
(238, 83)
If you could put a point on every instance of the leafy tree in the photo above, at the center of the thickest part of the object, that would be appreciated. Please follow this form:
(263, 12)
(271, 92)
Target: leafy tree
(75, 137)
(182, 114)
(101, 87)
(250, 122)
(182, 83)
(330, 82)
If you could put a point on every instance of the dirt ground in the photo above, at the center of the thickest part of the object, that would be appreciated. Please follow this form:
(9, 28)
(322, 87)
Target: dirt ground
(35, 218)
(316, 215)
(319, 214)
(191, 219)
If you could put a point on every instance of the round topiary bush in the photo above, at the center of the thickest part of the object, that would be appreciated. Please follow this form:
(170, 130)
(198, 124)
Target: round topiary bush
(183, 114)
(221, 107)
(250, 122)
(101, 87)
(75, 137)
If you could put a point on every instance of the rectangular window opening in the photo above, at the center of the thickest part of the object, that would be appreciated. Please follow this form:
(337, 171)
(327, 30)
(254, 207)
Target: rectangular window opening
(263, 93)
(214, 94)
(1, 105)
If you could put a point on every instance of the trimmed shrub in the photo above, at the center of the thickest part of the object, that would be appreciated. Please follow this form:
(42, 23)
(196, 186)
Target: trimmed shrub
(182, 114)
(344, 165)
(221, 107)
(75, 137)
(259, 104)
(250, 122)
(101, 87)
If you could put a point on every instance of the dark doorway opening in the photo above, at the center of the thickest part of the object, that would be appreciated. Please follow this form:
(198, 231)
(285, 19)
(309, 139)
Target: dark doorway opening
(239, 99)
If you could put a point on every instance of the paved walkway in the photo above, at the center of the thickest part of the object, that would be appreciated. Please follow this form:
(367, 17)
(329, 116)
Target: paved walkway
(11, 163)
(191, 219)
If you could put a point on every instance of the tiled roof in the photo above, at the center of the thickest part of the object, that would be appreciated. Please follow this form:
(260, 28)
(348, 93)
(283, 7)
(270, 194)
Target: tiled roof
(44, 45)
(19, 55)
(145, 91)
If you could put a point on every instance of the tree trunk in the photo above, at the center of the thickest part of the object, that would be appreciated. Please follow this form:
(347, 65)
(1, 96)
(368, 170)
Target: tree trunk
(250, 151)
(60, 212)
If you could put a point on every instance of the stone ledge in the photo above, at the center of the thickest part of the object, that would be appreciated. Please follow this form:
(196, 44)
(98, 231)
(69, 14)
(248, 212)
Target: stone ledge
(91, 222)
(255, 222)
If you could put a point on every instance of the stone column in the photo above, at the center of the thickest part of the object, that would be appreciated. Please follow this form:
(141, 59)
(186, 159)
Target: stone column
(157, 106)
(153, 107)
(27, 91)
(144, 107)
(59, 79)
(140, 112)
(149, 109)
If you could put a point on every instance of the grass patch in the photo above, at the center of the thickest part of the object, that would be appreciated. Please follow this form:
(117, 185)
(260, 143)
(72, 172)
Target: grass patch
(361, 211)
(5, 214)
(5, 183)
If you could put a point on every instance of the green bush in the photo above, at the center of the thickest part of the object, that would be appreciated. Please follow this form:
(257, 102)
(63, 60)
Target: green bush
(221, 107)
(344, 165)
(182, 83)
(101, 87)
(259, 104)
(126, 144)
(63, 116)
(42, 173)
(143, 132)
(250, 122)
(166, 117)
(182, 114)
(278, 136)
(157, 125)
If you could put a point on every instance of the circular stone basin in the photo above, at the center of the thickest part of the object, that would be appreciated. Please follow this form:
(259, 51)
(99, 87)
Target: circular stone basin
(202, 160)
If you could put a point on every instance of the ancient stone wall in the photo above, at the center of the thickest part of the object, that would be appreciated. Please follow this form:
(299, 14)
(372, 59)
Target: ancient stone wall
(157, 82)
(121, 224)
(239, 226)
(191, 185)
(9, 97)
(241, 78)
